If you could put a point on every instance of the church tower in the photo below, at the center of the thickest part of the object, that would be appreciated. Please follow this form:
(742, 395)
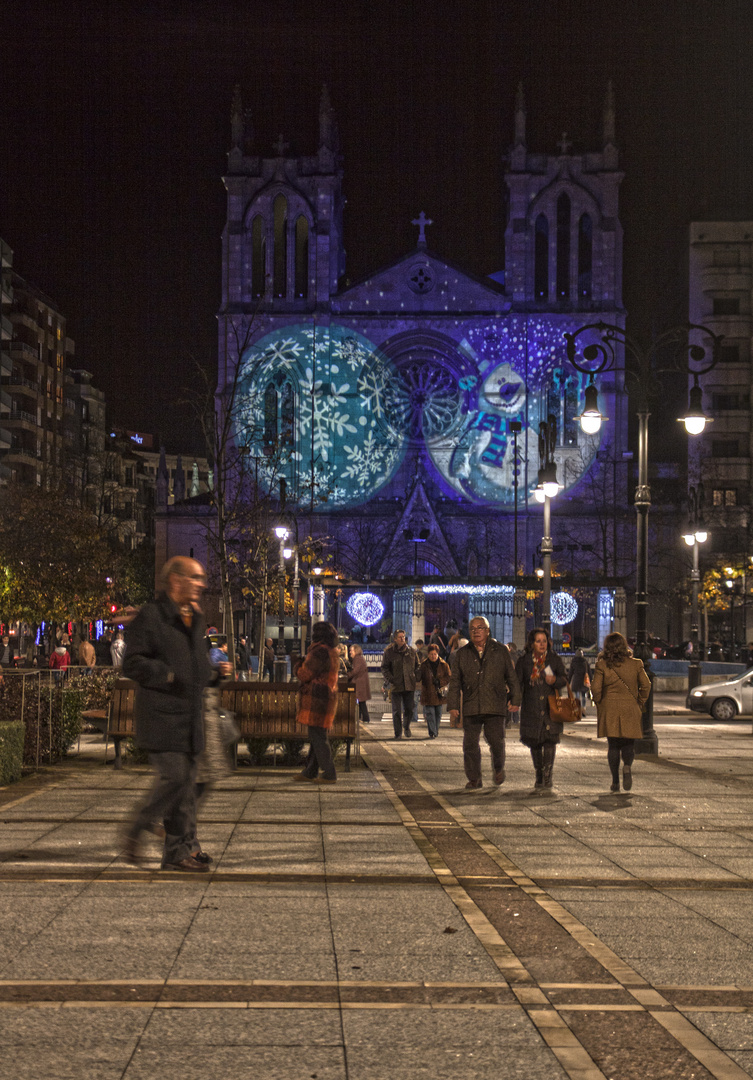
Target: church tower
(563, 241)
(282, 242)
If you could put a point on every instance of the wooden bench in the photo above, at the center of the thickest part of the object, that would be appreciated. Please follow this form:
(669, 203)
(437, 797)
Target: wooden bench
(262, 711)
(267, 710)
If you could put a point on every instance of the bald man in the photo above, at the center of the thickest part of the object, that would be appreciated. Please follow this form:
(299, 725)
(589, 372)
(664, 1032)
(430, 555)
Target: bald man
(166, 655)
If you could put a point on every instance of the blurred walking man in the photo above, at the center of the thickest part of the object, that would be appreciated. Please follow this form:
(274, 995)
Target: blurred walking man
(167, 657)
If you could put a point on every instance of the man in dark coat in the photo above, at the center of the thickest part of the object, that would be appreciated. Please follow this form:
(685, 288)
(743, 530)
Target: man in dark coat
(399, 667)
(166, 655)
(483, 672)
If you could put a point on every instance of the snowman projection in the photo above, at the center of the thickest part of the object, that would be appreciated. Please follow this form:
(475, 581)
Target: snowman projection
(478, 460)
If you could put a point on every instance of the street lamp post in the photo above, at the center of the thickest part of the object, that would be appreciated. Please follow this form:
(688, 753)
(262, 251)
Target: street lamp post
(695, 535)
(599, 354)
(281, 664)
(544, 493)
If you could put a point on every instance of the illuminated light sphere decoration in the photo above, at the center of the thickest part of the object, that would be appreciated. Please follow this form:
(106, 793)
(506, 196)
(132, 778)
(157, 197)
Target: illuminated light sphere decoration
(564, 608)
(365, 607)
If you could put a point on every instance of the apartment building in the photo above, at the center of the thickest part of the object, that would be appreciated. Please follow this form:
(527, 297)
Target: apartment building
(720, 297)
(35, 356)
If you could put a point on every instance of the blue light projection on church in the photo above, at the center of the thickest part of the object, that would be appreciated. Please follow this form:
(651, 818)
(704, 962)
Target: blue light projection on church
(366, 411)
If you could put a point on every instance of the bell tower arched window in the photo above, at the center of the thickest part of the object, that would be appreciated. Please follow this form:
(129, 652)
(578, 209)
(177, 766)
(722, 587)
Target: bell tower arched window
(258, 257)
(541, 258)
(270, 419)
(301, 258)
(563, 246)
(585, 257)
(287, 418)
(280, 264)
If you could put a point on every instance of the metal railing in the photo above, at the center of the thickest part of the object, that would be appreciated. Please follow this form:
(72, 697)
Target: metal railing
(40, 705)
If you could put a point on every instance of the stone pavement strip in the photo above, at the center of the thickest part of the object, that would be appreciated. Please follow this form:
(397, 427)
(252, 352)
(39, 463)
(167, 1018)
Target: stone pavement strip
(392, 925)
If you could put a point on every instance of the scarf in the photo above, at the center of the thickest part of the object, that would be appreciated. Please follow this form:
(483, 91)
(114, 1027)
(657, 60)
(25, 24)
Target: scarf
(539, 663)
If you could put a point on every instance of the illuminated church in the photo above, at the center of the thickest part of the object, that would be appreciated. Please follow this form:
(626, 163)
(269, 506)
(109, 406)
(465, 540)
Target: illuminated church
(404, 410)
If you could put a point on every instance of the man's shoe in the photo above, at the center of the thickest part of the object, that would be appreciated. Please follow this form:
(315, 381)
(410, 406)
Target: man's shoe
(499, 777)
(627, 777)
(132, 852)
(188, 865)
(302, 778)
(396, 737)
(202, 857)
(408, 733)
(615, 787)
(470, 786)
(328, 780)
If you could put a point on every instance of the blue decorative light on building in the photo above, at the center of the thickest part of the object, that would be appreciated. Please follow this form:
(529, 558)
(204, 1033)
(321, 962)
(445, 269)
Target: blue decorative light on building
(365, 607)
(334, 381)
(564, 608)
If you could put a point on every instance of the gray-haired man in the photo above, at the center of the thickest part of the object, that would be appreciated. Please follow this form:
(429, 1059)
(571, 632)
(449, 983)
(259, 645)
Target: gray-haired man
(483, 672)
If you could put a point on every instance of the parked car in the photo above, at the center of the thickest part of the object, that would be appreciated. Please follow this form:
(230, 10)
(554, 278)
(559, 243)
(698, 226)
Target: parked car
(724, 700)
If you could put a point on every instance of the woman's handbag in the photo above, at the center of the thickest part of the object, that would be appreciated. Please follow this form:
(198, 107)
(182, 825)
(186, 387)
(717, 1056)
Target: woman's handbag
(565, 710)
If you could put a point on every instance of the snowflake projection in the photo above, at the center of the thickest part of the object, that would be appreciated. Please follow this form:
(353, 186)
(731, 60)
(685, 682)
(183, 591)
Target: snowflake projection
(370, 458)
(365, 607)
(339, 382)
(564, 608)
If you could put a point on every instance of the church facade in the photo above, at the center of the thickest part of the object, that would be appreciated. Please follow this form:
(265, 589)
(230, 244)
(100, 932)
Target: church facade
(404, 410)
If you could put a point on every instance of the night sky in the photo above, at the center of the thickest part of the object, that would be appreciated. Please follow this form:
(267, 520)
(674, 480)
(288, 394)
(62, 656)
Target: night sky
(115, 123)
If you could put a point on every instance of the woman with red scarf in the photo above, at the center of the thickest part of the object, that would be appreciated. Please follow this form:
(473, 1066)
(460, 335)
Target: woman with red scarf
(317, 700)
(540, 671)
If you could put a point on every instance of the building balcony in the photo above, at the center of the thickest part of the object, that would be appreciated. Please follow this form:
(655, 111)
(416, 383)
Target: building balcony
(22, 421)
(19, 456)
(20, 350)
(15, 384)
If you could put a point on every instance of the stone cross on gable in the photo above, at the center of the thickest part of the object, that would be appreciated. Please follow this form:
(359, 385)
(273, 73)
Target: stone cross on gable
(564, 144)
(280, 146)
(422, 221)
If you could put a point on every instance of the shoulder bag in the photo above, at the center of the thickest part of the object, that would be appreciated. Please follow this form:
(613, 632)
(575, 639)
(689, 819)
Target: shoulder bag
(564, 710)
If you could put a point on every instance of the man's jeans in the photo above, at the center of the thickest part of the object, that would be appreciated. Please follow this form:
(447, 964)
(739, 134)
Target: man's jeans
(402, 710)
(494, 733)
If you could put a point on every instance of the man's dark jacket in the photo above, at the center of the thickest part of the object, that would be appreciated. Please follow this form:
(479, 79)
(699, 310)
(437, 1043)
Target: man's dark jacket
(400, 667)
(484, 684)
(169, 662)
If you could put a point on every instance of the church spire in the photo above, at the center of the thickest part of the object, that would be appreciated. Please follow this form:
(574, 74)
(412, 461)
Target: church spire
(328, 133)
(520, 117)
(609, 118)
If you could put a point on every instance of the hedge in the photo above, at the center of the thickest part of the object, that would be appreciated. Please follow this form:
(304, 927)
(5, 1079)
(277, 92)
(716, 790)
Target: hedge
(12, 734)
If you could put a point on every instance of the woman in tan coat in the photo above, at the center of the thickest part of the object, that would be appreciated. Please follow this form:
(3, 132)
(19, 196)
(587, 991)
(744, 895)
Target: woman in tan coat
(620, 688)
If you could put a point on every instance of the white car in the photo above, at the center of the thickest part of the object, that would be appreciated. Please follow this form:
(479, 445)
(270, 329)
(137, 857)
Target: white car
(724, 700)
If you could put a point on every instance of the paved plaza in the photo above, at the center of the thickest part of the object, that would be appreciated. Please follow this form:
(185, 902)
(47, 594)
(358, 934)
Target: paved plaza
(392, 925)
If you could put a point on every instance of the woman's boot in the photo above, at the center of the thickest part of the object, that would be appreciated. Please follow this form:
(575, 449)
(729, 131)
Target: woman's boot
(548, 751)
(538, 764)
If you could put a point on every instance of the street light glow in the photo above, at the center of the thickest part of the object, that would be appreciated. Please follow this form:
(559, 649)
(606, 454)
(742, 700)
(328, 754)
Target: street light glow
(281, 532)
(591, 418)
(695, 419)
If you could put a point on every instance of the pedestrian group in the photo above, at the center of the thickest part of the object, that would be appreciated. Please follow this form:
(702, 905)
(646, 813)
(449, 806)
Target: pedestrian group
(180, 724)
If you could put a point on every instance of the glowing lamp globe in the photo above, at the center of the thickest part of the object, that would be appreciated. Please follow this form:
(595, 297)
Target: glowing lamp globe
(563, 608)
(365, 607)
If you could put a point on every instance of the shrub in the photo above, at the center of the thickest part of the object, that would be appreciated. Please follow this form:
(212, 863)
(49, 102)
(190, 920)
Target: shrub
(12, 734)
